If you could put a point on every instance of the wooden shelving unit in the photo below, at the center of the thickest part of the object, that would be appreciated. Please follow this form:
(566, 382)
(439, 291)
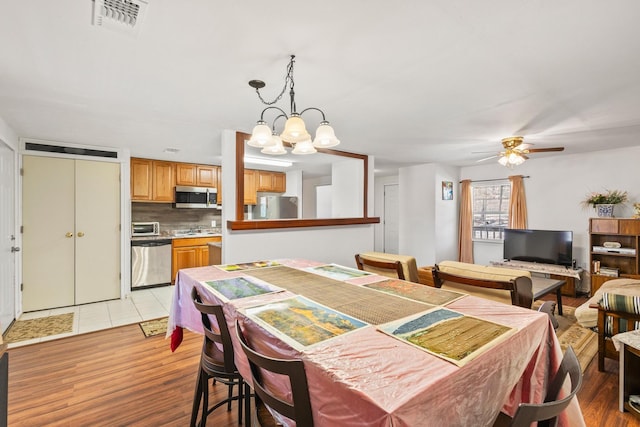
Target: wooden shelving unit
(625, 231)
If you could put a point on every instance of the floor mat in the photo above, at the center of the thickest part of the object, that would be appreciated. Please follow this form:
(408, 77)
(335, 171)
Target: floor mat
(155, 327)
(23, 330)
(583, 340)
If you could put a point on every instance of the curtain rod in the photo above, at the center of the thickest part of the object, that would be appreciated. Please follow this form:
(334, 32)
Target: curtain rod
(496, 179)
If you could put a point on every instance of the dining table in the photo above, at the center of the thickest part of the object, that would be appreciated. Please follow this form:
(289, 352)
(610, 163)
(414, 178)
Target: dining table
(363, 369)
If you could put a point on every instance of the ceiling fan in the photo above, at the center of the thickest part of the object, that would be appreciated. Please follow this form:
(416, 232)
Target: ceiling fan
(515, 153)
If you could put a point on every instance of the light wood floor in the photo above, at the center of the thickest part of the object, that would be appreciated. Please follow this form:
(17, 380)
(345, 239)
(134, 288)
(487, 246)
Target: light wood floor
(117, 377)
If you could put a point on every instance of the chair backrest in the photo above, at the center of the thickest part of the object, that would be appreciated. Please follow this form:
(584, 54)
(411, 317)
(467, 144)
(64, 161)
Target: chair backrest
(547, 413)
(622, 313)
(385, 268)
(215, 341)
(300, 408)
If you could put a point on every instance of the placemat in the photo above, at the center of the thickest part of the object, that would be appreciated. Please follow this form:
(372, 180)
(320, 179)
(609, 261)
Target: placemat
(362, 303)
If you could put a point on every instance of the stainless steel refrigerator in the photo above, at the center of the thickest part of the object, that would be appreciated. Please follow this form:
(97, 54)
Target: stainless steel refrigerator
(275, 207)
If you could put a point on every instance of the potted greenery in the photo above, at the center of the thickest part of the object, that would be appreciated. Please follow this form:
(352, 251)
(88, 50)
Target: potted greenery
(604, 202)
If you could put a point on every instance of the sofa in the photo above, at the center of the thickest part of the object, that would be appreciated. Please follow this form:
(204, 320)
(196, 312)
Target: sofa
(509, 286)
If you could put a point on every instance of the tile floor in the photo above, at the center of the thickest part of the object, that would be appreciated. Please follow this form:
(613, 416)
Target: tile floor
(141, 305)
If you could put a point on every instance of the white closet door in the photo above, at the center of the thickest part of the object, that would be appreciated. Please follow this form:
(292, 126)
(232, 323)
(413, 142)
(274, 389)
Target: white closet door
(97, 231)
(48, 214)
(8, 238)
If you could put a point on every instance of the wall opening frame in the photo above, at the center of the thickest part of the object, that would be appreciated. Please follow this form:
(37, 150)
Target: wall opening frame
(241, 224)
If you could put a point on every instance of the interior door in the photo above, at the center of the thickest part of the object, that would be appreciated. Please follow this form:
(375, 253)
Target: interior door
(48, 213)
(7, 237)
(97, 230)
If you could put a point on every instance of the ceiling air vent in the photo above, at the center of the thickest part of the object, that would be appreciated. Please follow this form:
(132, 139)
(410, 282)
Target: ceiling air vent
(124, 16)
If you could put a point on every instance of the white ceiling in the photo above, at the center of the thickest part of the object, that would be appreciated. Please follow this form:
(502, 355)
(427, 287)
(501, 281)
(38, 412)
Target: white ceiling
(409, 82)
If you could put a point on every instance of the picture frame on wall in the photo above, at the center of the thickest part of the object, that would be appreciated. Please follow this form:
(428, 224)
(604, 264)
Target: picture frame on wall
(447, 190)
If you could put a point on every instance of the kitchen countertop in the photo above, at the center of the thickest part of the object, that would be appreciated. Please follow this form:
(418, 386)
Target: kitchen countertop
(180, 234)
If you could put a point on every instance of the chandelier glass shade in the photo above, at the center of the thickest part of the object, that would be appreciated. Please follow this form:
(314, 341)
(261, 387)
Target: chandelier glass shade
(511, 158)
(294, 134)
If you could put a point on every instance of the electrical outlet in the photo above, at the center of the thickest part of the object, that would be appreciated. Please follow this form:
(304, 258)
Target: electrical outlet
(213, 222)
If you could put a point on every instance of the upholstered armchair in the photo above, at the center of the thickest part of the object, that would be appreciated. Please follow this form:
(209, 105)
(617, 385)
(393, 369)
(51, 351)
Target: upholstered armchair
(616, 313)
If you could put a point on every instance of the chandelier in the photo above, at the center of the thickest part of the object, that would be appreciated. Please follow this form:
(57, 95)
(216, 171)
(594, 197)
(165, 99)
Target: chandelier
(295, 134)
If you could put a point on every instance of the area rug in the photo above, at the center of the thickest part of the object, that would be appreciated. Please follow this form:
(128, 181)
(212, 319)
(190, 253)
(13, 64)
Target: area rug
(23, 330)
(155, 327)
(583, 340)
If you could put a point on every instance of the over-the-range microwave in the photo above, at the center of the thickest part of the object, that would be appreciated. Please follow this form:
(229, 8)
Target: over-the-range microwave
(196, 197)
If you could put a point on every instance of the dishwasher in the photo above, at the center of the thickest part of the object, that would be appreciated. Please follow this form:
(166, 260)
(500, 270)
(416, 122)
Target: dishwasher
(150, 263)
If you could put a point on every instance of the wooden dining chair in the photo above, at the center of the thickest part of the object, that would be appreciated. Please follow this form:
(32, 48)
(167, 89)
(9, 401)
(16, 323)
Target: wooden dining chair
(547, 413)
(216, 363)
(299, 409)
(384, 268)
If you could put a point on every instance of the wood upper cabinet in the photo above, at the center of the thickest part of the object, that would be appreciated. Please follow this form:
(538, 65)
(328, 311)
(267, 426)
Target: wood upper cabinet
(275, 182)
(141, 179)
(152, 180)
(164, 181)
(185, 174)
(279, 182)
(207, 176)
(196, 175)
(250, 187)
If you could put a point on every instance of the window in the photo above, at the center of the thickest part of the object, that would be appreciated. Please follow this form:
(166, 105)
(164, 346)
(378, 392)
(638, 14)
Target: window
(491, 210)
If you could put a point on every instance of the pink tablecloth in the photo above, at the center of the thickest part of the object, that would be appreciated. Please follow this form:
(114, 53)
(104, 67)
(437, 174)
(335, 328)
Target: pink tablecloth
(366, 378)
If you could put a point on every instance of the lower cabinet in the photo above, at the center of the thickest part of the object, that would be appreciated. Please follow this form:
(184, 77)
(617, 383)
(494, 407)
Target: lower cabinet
(190, 252)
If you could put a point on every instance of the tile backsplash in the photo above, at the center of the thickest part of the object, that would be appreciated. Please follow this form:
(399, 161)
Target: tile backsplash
(171, 218)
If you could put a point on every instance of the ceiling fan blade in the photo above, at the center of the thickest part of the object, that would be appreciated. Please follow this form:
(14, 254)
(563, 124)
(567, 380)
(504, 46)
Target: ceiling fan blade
(487, 158)
(544, 150)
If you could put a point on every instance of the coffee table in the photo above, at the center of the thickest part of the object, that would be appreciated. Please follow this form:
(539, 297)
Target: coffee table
(542, 286)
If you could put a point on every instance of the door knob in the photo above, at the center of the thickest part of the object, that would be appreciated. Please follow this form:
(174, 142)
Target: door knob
(69, 234)
(80, 234)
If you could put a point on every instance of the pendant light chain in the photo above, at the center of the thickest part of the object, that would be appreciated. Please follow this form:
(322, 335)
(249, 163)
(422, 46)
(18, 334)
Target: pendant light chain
(289, 77)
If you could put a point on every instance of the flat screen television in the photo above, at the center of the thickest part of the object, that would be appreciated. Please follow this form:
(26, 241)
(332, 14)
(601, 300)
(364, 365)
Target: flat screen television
(541, 246)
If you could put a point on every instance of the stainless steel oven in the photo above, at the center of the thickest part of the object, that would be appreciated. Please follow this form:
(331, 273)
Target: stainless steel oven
(150, 262)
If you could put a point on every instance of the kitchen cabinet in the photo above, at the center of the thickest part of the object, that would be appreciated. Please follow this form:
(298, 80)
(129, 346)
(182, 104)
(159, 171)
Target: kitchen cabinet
(71, 232)
(625, 231)
(279, 182)
(141, 179)
(250, 187)
(197, 175)
(190, 252)
(274, 182)
(152, 180)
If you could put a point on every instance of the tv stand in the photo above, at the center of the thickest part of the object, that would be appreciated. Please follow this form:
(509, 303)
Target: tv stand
(549, 270)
